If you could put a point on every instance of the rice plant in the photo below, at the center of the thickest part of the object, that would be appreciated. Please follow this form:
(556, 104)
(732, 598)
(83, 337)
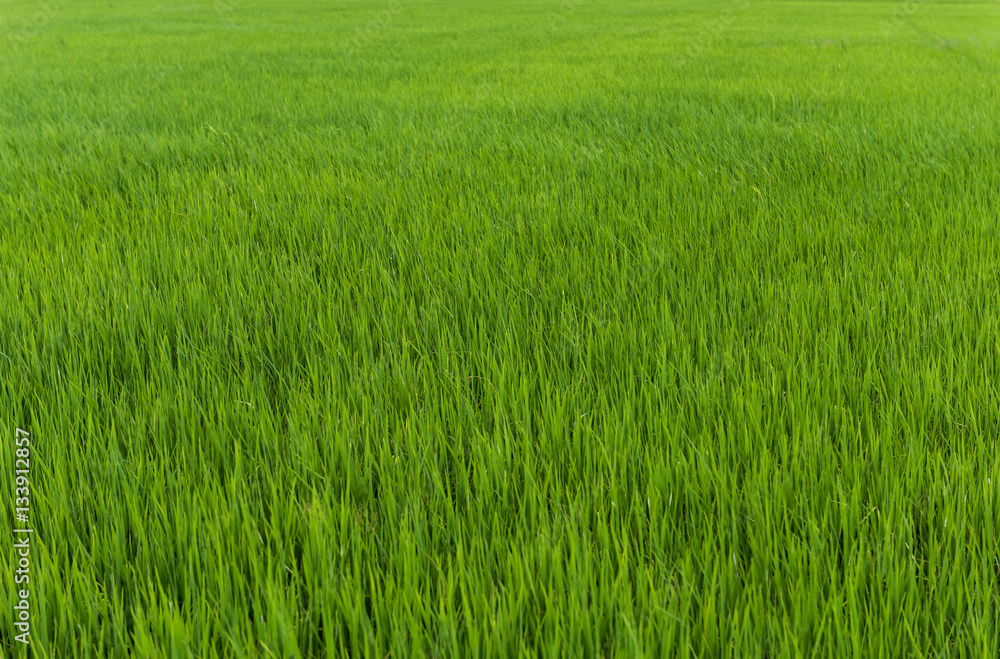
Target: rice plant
(538, 328)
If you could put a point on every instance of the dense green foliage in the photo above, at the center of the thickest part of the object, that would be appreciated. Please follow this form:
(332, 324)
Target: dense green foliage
(503, 329)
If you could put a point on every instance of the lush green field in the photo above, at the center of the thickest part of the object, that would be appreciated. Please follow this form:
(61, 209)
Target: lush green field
(496, 329)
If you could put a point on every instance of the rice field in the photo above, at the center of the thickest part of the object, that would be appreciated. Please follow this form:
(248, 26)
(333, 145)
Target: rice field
(528, 328)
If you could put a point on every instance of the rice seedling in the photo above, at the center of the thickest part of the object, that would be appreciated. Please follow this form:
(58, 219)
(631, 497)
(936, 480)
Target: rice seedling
(506, 329)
